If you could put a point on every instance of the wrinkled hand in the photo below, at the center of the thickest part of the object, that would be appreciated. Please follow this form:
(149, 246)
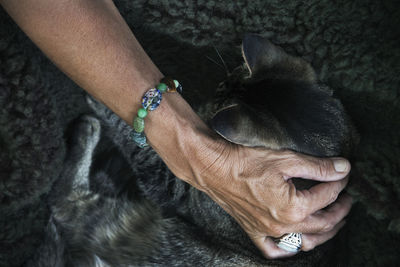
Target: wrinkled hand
(254, 186)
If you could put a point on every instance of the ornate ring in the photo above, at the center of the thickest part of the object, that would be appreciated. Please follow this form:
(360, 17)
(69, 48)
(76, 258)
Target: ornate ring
(290, 242)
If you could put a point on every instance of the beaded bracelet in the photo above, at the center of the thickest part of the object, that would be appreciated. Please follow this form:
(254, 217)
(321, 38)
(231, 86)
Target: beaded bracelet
(150, 101)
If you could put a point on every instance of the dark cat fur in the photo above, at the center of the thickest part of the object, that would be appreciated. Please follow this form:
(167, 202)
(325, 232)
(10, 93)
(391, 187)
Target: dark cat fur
(174, 224)
(282, 106)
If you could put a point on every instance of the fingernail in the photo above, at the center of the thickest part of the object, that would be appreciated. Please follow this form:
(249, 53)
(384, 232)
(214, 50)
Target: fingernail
(340, 165)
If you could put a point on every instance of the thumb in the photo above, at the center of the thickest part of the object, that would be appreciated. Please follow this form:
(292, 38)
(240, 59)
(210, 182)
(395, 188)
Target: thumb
(319, 169)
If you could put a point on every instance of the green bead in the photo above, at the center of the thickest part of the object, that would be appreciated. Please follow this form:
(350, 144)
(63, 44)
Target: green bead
(176, 83)
(162, 87)
(142, 113)
(138, 125)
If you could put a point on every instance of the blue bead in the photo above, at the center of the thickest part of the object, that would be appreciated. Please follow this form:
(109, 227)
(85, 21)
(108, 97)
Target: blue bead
(151, 99)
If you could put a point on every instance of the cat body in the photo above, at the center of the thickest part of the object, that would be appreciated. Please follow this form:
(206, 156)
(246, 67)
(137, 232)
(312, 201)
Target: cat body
(275, 103)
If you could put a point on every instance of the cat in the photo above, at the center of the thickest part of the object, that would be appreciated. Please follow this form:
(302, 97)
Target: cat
(273, 101)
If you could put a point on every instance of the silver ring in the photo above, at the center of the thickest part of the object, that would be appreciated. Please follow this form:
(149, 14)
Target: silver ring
(290, 242)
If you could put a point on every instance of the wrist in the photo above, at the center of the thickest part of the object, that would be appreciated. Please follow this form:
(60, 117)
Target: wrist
(185, 143)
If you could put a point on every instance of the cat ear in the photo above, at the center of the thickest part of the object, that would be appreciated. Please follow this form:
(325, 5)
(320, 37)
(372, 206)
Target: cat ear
(238, 124)
(258, 51)
(225, 123)
(260, 54)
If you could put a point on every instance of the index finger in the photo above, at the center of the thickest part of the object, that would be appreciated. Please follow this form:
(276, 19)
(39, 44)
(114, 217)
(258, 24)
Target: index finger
(321, 195)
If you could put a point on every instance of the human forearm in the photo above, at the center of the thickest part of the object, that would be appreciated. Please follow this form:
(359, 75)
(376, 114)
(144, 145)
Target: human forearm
(92, 44)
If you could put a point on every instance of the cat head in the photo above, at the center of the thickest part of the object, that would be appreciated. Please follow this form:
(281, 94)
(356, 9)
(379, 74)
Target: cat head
(279, 104)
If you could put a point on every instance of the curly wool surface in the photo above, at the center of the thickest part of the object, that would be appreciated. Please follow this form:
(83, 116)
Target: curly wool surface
(31, 151)
(32, 147)
(353, 45)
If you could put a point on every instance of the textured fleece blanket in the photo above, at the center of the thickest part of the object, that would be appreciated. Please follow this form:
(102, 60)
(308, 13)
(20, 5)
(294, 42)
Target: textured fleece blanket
(353, 45)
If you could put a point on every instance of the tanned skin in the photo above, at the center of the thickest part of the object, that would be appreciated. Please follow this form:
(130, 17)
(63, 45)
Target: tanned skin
(93, 45)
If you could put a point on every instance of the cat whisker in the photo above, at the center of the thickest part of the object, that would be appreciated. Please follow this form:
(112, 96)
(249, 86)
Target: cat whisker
(212, 60)
(222, 60)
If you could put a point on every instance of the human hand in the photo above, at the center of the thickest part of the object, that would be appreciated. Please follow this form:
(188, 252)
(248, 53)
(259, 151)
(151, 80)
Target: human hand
(254, 187)
(252, 184)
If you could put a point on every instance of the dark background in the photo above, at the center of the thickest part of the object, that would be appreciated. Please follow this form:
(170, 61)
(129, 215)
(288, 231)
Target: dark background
(353, 45)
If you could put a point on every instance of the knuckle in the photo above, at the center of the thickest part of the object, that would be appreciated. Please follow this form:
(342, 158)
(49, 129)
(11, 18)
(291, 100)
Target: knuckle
(328, 226)
(293, 159)
(292, 155)
(295, 217)
(334, 196)
(275, 214)
(289, 158)
(268, 255)
(302, 215)
(307, 246)
(294, 214)
(309, 243)
(276, 230)
(281, 216)
(323, 168)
